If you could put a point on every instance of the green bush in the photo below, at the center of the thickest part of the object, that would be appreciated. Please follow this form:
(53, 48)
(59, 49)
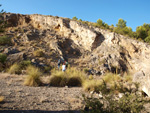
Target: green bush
(3, 57)
(5, 40)
(33, 76)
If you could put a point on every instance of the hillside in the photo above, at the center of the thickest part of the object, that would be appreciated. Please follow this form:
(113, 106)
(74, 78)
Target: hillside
(81, 45)
(43, 40)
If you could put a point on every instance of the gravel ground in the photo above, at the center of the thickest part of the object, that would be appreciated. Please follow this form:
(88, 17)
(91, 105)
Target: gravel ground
(25, 99)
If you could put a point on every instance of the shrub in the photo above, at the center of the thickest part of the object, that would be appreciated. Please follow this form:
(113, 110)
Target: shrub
(15, 69)
(5, 40)
(33, 76)
(38, 53)
(129, 103)
(3, 57)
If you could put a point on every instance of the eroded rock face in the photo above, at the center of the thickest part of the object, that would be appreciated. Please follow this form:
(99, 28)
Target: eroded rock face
(82, 35)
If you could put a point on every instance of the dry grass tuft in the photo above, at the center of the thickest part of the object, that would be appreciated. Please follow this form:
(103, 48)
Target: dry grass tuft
(58, 78)
(33, 76)
(15, 69)
(72, 77)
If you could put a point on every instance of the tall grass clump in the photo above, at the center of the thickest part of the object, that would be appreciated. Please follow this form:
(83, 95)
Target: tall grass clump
(112, 80)
(15, 69)
(33, 76)
(72, 77)
(58, 79)
(75, 77)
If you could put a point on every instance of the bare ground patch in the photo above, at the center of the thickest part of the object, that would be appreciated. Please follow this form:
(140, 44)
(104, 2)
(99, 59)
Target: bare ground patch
(20, 98)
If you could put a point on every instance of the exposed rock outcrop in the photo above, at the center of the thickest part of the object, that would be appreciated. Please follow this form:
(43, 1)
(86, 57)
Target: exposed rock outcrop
(91, 47)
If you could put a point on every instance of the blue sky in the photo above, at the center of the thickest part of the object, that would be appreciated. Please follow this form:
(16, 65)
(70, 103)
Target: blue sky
(135, 12)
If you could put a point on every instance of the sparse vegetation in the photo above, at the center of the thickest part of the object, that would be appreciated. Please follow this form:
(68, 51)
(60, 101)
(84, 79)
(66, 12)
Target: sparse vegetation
(129, 102)
(33, 76)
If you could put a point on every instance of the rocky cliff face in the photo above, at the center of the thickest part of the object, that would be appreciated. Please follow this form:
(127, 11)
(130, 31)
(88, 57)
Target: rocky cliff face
(82, 45)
